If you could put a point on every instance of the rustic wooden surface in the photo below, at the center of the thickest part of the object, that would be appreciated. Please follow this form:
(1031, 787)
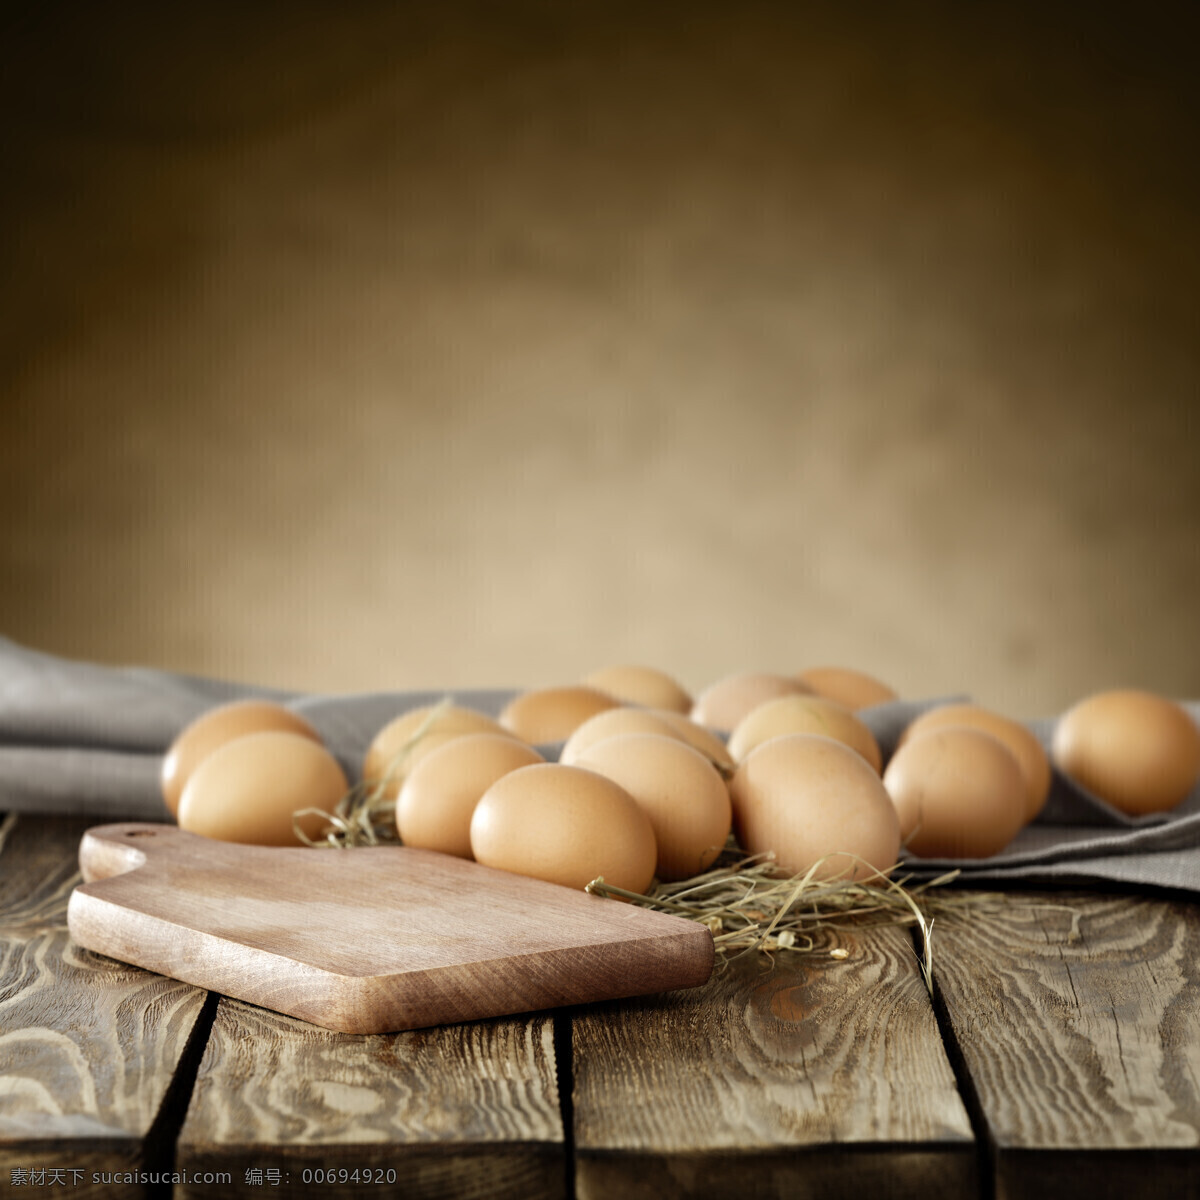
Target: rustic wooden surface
(88, 1046)
(468, 1110)
(1047, 1065)
(1077, 1019)
(381, 939)
(817, 1077)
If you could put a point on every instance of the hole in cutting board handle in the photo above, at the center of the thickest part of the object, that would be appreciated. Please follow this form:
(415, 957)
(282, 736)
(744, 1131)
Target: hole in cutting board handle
(115, 849)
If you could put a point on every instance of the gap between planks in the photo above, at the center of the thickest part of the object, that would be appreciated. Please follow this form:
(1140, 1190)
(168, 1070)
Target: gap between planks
(1075, 1020)
(984, 1149)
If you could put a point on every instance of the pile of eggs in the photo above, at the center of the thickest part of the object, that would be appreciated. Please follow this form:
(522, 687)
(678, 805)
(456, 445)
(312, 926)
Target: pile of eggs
(651, 783)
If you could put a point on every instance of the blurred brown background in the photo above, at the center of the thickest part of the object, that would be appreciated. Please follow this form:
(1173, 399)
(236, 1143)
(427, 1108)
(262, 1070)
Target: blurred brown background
(397, 345)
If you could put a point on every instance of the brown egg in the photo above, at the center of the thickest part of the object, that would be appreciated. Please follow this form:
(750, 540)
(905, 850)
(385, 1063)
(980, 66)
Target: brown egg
(641, 685)
(610, 723)
(566, 825)
(248, 789)
(723, 704)
(959, 793)
(1031, 758)
(852, 688)
(699, 738)
(677, 788)
(394, 753)
(435, 805)
(216, 727)
(547, 715)
(806, 797)
(1137, 751)
(804, 714)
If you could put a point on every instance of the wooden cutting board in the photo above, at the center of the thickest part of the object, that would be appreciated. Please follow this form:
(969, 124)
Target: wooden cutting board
(367, 940)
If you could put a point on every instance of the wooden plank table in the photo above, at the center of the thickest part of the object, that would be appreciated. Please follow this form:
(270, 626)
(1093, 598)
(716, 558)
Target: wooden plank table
(1059, 1056)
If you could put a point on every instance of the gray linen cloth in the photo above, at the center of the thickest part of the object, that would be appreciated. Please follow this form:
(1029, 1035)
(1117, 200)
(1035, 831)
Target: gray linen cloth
(85, 740)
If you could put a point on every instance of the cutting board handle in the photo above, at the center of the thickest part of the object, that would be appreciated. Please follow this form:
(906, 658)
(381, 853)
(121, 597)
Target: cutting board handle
(109, 850)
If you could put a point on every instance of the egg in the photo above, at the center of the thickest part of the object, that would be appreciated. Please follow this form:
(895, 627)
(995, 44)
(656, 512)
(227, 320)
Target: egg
(641, 685)
(1028, 751)
(546, 715)
(1138, 751)
(677, 788)
(854, 689)
(611, 722)
(723, 704)
(213, 729)
(387, 756)
(804, 714)
(248, 789)
(438, 798)
(699, 738)
(959, 793)
(805, 797)
(566, 825)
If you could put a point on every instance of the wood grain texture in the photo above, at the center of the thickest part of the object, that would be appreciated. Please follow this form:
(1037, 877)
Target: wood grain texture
(372, 939)
(461, 1111)
(39, 868)
(1083, 1052)
(88, 1046)
(817, 1077)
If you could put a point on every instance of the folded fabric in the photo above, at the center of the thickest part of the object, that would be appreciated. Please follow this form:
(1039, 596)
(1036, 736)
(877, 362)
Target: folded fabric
(82, 739)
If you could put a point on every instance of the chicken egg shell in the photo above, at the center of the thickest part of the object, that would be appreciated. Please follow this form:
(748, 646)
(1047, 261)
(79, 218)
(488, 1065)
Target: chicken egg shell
(213, 729)
(610, 723)
(391, 755)
(804, 714)
(564, 824)
(807, 797)
(546, 715)
(699, 738)
(854, 689)
(1137, 751)
(641, 685)
(435, 805)
(681, 792)
(248, 790)
(1031, 757)
(959, 793)
(723, 704)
